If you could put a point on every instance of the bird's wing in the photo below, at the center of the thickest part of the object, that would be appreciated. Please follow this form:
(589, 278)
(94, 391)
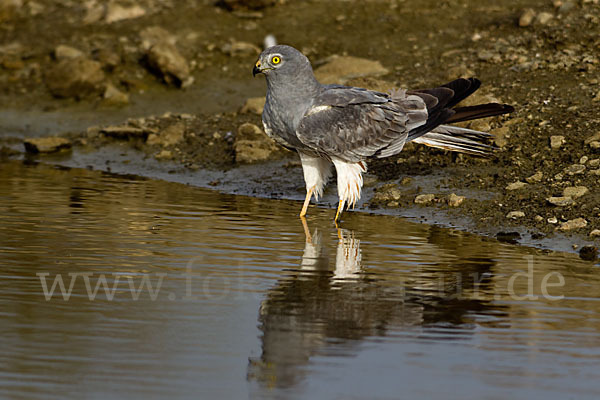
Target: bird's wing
(352, 124)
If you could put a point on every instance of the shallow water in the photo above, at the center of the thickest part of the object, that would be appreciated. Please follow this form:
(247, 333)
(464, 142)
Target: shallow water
(243, 303)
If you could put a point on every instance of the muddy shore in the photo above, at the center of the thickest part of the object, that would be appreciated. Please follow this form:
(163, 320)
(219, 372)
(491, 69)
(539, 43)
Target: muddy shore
(162, 89)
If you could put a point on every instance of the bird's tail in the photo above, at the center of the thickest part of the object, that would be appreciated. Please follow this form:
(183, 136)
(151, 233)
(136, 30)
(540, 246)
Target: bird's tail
(454, 138)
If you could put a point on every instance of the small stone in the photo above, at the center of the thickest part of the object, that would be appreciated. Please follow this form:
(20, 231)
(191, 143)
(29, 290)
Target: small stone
(165, 60)
(153, 35)
(575, 169)
(537, 177)
(126, 132)
(77, 77)
(516, 185)
(164, 155)
(116, 12)
(454, 200)
(526, 17)
(561, 201)
(501, 136)
(393, 204)
(47, 144)
(544, 17)
(552, 220)
(62, 52)
(572, 224)
(594, 163)
(595, 145)
(113, 96)
(594, 138)
(556, 142)
(575, 192)
(583, 159)
(254, 105)
(240, 49)
(424, 198)
(252, 145)
(386, 193)
(515, 214)
(538, 218)
(588, 253)
(595, 233)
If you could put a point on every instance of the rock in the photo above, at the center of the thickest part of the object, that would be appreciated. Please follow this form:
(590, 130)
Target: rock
(155, 34)
(164, 155)
(240, 49)
(516, 185)
(573, 224)
(126, 132)
(501, 136)
(556, 142)
(165, 60)
(526, 17)
(454, 200)
(109, 59)
(508, 237)
(575, 192)
(62, 52)
(575, 169)
(254, 105)
(552, 220)
(588, 253)
(170, 136)
(78, 77)
(537, 177)
(594, 138)
(387, 193)
(47, 144)
(595, 145)
(114, 97)
(566, 7)
(340, 69)
(561, 201)
(594, 163)
(246, 4)
(94, 12)
(252, 145)
(543, 18)
(116, 12)
(424, 198)
(515, 214)
(595, 233)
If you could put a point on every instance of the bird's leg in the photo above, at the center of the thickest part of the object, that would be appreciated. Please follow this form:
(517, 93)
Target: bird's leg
(339, 211)
(309, 193)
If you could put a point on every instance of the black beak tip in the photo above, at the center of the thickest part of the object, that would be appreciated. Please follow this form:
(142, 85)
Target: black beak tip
(255, 71)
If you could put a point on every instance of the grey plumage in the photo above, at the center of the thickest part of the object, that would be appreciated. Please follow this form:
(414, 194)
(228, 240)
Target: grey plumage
(348, 125)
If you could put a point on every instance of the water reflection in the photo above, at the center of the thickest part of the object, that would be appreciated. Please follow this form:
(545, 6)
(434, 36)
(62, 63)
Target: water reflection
(331, 303)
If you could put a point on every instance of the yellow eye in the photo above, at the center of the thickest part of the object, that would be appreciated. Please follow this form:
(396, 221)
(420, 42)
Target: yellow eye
(276, 60)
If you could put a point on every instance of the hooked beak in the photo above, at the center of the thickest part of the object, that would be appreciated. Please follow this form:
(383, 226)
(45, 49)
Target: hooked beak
(256, 69)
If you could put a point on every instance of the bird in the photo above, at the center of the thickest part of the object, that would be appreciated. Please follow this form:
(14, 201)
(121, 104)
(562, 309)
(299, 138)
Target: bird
(345, 126)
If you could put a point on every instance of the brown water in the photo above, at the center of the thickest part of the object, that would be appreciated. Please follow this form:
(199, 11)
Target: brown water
(244, 304)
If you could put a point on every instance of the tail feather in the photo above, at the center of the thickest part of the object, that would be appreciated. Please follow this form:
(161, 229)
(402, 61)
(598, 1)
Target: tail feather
(457, 139)
(479, 111)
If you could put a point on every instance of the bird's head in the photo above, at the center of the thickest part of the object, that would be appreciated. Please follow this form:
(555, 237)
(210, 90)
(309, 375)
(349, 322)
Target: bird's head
(281, 60)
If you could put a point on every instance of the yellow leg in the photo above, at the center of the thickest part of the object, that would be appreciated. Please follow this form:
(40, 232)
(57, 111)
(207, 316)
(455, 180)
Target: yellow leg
(309, 193)
(339, 210)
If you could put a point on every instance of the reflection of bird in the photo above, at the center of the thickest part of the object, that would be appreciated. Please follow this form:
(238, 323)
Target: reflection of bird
(344, 125)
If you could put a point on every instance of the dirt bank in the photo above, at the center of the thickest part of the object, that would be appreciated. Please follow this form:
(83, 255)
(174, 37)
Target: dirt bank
(109, 71)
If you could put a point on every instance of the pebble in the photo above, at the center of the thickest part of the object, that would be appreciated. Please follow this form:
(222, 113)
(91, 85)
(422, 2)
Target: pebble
(572, 224)
(561, 201)
(588, 253)
(62, 52)
(527, 17)
(252, 145)
(113, 96)
(165, 60)
(575, 169)
(537, 177)
(77, 77)
(556, 142)
(552, 220)
(516, 185)
(515, 214)
(544, 17)
(254, 105)
(240, 49)
(594, 163)
(454, 200)
(46, 145)
(164, 155)
(595, 233)
(575, 192)
(116, 12)
(424, 198)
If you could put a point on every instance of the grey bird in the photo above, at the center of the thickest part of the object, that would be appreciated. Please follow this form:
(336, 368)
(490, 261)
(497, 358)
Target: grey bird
(344, 126)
